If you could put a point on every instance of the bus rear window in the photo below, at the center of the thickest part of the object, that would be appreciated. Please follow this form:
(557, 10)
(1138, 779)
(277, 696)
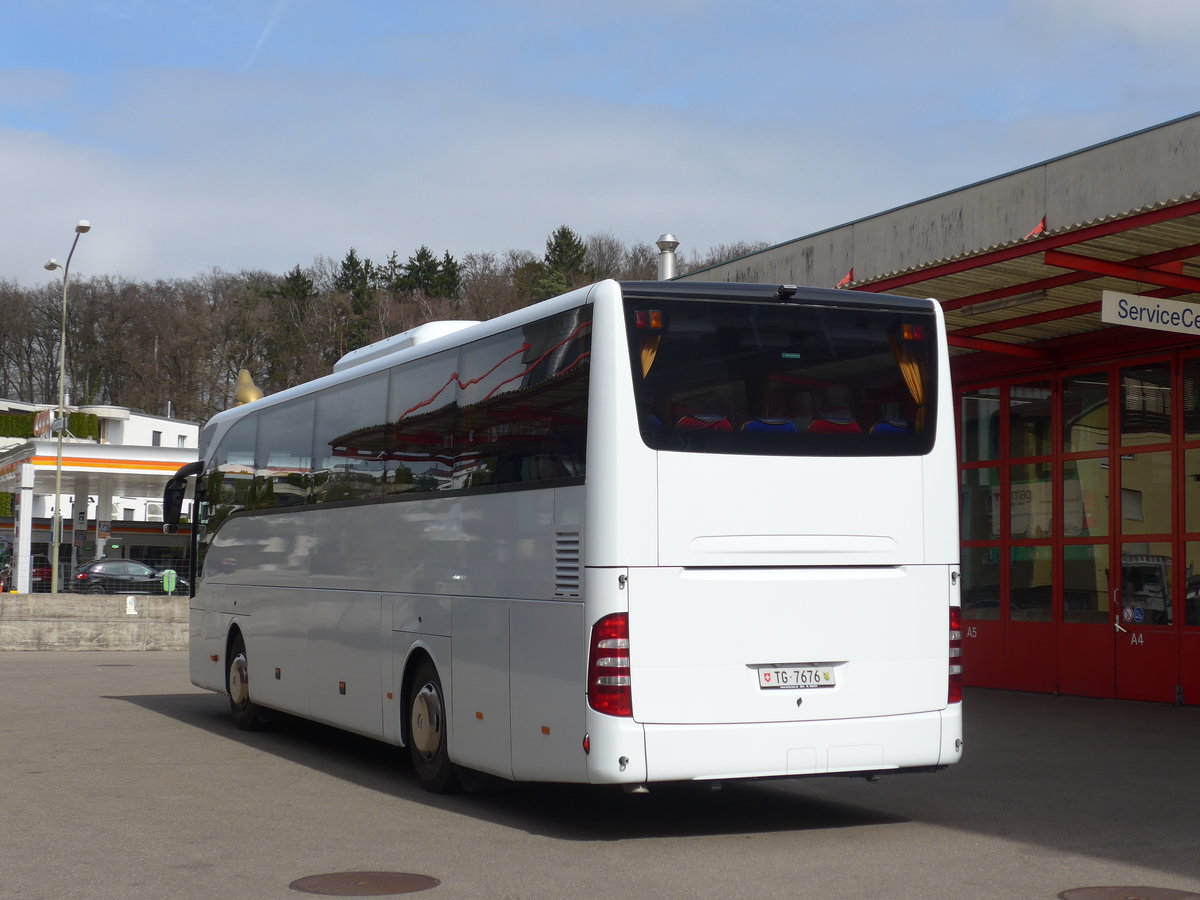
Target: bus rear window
(798, 379)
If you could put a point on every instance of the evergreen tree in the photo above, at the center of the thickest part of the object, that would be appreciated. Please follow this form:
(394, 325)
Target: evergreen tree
(565, 254)
(564, 265)
(355, 278)
(421, 272)
(424, 273)
(449, 280)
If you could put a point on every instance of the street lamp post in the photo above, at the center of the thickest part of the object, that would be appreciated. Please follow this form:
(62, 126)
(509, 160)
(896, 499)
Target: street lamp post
(56, 531)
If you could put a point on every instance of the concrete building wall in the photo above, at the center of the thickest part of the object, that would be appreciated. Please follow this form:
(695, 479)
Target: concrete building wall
(1152, 166)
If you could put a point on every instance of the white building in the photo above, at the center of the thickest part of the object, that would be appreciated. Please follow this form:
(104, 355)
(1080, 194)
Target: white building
(117, 477)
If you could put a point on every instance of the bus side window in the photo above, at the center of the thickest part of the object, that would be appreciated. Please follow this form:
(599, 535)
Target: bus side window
(419, 446)
(523, 403)
(232, 471)
(351, 440)
(283, 460)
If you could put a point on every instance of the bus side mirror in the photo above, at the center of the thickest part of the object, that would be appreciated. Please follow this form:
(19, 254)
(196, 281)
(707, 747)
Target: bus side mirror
(173, 495)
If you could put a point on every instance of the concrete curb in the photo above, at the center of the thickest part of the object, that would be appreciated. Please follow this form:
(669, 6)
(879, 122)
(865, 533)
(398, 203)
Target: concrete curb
(93, 622)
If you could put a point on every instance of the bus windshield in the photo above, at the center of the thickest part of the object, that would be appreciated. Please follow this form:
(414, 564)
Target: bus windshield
(793, 379)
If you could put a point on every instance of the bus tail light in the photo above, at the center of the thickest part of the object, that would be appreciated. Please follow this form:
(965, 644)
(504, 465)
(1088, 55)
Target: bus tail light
(608, 666)
(954, 693)
(648, 319)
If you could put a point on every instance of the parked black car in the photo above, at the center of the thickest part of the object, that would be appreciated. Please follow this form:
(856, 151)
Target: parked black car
(122, 576)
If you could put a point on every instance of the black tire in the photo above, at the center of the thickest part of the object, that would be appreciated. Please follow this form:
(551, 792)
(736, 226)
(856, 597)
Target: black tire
(245, 714)
(96, 589)
(427, 743)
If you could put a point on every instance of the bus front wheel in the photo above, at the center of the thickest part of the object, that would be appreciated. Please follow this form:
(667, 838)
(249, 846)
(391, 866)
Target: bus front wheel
(245, 713)
(427, 731)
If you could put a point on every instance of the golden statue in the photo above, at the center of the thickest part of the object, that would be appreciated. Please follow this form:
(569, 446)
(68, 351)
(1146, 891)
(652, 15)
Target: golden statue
(247, 391)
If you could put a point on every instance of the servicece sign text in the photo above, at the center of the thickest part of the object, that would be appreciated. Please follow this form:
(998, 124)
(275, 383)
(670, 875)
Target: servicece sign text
(1145, 312)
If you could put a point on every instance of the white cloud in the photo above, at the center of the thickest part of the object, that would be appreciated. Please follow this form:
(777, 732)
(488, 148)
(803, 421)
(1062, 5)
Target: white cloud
(1152, 24)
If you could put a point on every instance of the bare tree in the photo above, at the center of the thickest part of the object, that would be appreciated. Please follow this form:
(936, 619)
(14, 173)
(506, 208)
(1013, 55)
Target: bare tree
(605, 255)
(719, 253)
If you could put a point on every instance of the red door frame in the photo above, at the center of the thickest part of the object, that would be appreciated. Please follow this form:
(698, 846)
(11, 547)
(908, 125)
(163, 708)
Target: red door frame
(1029, 658)
(984, 634)
(1143, 662)
(1003, 651)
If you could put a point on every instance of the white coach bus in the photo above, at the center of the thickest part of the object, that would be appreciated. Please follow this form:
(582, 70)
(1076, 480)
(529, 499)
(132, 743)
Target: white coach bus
(642, 532)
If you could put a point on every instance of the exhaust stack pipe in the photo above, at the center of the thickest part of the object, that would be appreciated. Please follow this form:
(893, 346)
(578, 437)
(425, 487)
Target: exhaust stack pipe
(666, 244)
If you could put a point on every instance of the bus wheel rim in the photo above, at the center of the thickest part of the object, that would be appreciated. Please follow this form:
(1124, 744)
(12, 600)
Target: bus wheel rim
(427, 721)
(239, 683)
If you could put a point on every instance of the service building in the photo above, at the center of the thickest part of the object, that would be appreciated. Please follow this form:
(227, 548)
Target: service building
(1071, 291)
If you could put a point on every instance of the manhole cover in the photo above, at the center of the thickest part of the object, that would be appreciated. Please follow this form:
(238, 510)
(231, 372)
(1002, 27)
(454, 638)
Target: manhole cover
(363, 884)
(1127, 893)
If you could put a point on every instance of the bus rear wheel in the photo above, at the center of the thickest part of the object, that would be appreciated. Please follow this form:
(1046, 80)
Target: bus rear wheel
(241, 707)
(427, 731)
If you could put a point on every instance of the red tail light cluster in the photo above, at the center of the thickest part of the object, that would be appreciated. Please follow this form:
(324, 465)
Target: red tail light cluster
(954, 693)
(648, 319)
(608, 666)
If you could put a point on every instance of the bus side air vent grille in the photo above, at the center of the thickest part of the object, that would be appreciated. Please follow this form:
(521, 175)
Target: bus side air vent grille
(566, 565)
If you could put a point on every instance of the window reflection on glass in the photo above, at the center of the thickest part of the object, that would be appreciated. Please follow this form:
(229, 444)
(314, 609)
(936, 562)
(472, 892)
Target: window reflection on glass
(979, 500)
(283, 461)
(1030, 584)
(783, 380)
(1191, 489)
(1191, 592)
(421, 410)
(1085, 413)
(1146, 583)
(980, 424)
(1191, 398)
(1146, 493)
(1086, 588)
(1031, 501)
(351, 429)
(1029, 407)
(229, 482)
(522, 403)
(231, 471)
(1085, 497)
(1145, 405)
(981, 582)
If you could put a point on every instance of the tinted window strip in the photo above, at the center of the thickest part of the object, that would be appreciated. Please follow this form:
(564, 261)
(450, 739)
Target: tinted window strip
(414, 496)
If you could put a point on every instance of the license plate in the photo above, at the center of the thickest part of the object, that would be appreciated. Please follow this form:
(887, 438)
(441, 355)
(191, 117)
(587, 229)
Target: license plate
(795, 677)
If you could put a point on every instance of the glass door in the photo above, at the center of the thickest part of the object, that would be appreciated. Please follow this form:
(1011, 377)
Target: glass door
(1030, 531)
(1144, 461)
(1086, 652)
(1187, 583)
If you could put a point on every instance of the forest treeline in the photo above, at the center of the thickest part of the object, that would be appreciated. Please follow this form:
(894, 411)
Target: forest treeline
(175, 346)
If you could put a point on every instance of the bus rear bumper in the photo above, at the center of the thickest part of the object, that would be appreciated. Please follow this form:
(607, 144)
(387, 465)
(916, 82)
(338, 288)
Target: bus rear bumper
(774, 750)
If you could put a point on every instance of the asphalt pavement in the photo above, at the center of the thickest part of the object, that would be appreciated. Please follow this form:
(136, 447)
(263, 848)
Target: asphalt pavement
(118, 779)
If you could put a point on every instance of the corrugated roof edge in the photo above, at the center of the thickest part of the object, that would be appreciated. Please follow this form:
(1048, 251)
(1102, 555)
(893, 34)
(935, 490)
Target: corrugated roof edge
(1049, 232)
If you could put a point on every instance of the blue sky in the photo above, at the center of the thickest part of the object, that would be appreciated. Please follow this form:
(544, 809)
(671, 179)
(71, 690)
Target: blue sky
(262, 134)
